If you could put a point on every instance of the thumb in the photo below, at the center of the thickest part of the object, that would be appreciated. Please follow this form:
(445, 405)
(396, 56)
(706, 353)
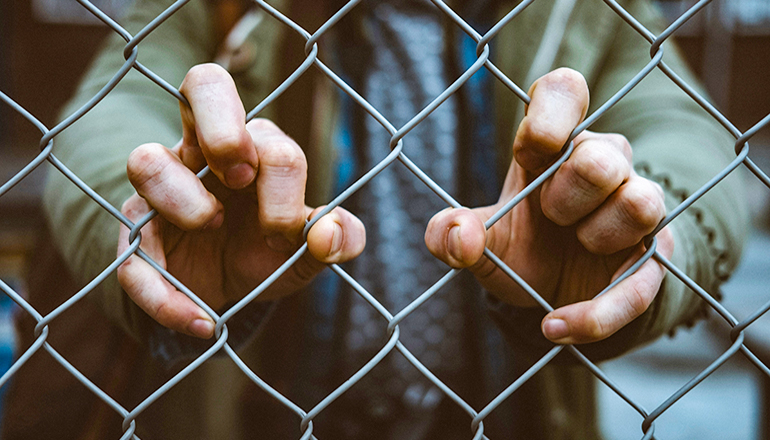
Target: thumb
(456, 236)
(337, 237)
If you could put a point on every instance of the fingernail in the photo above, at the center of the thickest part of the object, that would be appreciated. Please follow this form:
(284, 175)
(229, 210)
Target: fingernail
(278, 242)
(239, 175)
(455, 244)
(555, 329)
(202, 328)
(336, 239)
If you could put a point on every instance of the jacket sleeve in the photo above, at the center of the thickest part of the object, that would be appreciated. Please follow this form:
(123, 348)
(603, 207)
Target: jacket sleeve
(680, 146)
(96, 147)
(137, 111)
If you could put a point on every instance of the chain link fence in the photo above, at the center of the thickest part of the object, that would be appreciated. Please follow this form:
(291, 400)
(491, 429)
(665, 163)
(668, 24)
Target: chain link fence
(397, 157)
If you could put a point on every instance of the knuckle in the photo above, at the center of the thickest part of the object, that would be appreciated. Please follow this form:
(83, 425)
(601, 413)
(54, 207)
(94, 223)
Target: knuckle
(282, 220)
(592, 242)
(567, 80)
(282, 153)
(636, 301)
(536, 136)
(621, 143)
(659, 193)
(598, 169)
(200, 215)
(595, 327)
(642, 206)
(145, 163)
(226, 141)
(203, 73)
(262, 124)
(134, 207)
(128, 206)
(553, 205)
(163, 314)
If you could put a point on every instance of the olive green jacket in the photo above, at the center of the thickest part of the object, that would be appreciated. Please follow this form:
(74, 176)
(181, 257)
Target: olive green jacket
(675, 143)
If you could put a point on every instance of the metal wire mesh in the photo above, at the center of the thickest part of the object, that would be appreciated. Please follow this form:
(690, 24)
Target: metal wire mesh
(306, 416)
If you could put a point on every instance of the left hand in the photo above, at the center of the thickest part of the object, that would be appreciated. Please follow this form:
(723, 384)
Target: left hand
(575, 233)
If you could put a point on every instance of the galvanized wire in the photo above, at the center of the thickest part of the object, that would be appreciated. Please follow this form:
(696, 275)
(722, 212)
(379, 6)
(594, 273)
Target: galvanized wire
(399, 153)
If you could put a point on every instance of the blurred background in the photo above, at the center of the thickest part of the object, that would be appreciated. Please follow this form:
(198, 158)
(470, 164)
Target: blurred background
(45, 45)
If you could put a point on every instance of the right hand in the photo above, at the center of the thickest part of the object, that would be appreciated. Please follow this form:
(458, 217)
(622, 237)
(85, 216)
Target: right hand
(224, 235)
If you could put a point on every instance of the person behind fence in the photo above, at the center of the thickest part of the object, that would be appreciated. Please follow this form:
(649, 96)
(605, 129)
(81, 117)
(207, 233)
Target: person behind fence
(310, 331)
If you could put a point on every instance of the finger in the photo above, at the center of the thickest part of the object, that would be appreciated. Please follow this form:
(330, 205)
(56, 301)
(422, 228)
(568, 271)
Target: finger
(456, 236)
(280, 182)
(135, 208)
(559, 102)
(597, 319)
(174, 190)
(147, 287)
(337, 237)
(215, 124)
(191, 157)
(629, 214)
(597, 167)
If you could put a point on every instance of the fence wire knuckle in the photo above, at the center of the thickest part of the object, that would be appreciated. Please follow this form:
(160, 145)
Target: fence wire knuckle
(397, 156)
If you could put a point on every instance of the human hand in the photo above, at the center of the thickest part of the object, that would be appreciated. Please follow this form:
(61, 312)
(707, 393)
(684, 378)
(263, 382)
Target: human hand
(224, 235)
(573, 235)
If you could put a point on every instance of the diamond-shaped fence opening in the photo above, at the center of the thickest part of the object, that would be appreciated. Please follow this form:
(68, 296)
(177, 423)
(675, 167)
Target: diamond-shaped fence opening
(391, 320)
